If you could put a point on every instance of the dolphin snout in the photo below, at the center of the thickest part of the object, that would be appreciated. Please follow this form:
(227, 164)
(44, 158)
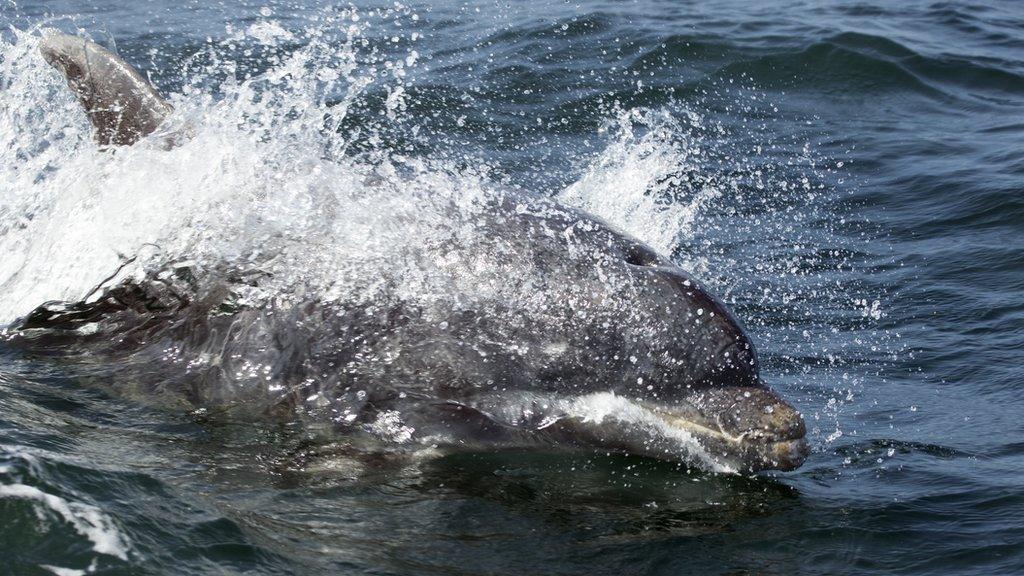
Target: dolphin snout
(749, 427)
(747, 411)
(788, 455)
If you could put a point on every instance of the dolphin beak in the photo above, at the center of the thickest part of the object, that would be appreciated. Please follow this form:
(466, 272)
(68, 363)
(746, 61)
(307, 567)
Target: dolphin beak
(749, 428)
(789, 455)
(734, 429)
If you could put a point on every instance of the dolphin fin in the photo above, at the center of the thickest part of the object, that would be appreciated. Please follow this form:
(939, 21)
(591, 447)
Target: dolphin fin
(121, 105)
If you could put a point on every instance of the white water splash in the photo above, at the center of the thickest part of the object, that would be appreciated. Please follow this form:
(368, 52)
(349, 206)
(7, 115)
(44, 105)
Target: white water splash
(250, 181)
(630, 183)
(70, 571)
(389, 426)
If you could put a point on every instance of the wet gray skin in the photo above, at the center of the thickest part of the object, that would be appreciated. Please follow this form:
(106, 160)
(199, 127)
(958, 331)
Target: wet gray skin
(121, 105)
(548, 327)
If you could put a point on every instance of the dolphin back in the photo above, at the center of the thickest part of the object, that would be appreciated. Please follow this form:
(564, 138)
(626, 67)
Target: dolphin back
(122, 106)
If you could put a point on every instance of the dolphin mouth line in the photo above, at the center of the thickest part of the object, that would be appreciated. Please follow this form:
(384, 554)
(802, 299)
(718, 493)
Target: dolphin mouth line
(782, 449)
(699, 430)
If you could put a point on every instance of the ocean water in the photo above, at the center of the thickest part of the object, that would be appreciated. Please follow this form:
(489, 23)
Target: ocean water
(848, 176)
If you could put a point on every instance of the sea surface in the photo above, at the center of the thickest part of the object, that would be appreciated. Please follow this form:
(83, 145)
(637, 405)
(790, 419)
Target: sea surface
(848, 176)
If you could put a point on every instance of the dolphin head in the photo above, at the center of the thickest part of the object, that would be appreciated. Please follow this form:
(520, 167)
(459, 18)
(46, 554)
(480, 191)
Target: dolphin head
(600, 342)
(701, 387)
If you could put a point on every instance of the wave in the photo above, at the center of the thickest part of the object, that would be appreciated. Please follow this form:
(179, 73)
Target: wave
(87, 520)
(848, 63)
(20, 472)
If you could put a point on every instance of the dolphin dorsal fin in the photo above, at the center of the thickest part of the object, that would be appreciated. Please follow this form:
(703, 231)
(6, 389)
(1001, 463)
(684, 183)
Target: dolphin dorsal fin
(121, 105)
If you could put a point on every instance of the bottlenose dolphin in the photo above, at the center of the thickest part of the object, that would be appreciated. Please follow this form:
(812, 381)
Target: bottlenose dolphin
(602, 343)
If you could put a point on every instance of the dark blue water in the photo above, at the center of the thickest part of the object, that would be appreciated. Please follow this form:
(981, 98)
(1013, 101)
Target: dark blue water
(865, 171)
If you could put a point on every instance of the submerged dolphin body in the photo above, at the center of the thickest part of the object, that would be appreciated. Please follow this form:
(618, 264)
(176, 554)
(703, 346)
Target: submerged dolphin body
(600, 343)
